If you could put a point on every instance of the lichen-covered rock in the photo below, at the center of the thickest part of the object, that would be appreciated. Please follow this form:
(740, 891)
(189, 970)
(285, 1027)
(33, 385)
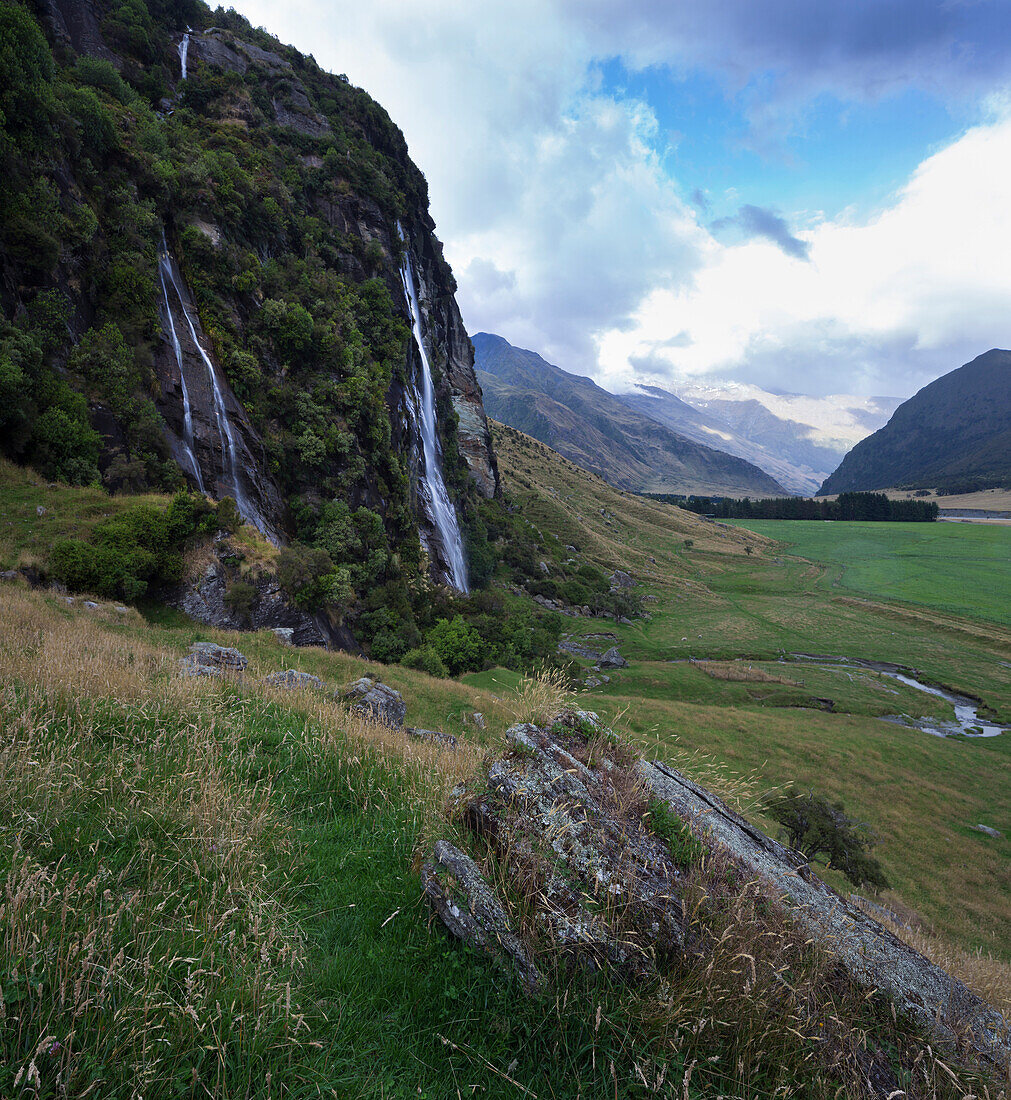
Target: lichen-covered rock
(435, 737)
(457, 890)
(620, 579)
(292, 678)
(374, 700)
(870, 955)
(208, 659)
(557, 813)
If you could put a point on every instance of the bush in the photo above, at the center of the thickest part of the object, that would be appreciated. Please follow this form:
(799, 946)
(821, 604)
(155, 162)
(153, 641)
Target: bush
(425, 659)
(241, 598)
(301, 571)
(823, 832)
(458, 645)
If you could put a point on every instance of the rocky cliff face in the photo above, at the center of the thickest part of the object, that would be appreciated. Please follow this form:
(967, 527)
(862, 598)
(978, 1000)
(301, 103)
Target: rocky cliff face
(253, 237)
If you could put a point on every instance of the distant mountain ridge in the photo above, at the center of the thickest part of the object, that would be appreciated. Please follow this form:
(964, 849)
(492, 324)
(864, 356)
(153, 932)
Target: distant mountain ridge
(955, 430)
(782, 448)
(599, 432)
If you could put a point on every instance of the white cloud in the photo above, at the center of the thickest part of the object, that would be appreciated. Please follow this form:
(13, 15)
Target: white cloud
(885, 305)
(568, 235)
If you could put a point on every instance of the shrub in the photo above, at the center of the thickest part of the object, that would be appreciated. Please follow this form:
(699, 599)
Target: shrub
(425, 659)
(458, 645)
(823, 832)
(301, 571)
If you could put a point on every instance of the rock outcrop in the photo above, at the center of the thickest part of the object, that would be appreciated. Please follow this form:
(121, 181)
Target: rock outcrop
(375, 701)
(624, 863)
(207, 599)
(292, 679)
(208, 659)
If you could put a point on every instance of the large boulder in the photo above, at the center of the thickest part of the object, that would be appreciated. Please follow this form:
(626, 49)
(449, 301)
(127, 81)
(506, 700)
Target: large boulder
(208, 659)
(374, 700)
(612, 659)
(629, 865)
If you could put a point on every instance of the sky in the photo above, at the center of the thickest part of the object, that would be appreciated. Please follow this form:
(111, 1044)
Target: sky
(808, 196)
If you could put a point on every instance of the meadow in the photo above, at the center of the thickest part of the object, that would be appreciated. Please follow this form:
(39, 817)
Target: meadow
(964, 568)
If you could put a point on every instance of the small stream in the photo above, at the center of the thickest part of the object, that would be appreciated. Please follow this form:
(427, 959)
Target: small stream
(967, 720)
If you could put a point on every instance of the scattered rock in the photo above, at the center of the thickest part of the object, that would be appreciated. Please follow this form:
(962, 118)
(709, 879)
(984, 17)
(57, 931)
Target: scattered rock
(574, 649)
(39, 510)
(283, 634)
(91, 605)
(988, 830)
(208, 659)
(612, 659)
(544, 567)
(436, 737)
(9, 575)
(292, 678)
(620, 579)
(477, 718)
(374, 700)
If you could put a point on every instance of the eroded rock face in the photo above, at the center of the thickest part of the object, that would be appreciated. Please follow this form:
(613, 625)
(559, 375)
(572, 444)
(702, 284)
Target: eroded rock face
(374, 700)
(206, 600)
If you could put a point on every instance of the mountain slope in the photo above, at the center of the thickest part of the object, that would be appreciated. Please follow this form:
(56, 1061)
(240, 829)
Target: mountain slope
(957, 429)
(744, 428)
(599, 432)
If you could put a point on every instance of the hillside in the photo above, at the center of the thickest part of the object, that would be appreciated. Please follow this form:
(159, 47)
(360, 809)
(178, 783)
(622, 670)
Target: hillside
(597, 430)
(954, 433)
(218, 273)
(782, 448)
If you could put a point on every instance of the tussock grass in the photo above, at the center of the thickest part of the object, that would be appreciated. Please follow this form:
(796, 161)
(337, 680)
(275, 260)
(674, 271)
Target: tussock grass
(741, 673)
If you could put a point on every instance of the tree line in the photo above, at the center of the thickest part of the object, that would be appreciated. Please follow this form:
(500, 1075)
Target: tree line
(848, 506)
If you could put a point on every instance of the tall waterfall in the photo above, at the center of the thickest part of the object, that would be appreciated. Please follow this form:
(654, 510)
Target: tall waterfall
(434, 485)
(230, 465)
(165, 268)
(184, 49)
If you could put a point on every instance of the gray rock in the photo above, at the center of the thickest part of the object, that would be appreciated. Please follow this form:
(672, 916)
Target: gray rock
(576, 649)
(457, 890)
(435, 737)
(9, 575)
(478, 719)
(283, 634)
(988, 830)
(374, 700)
(91, 605)
(620, 579)
(39, 510)
(292, 678)
(121, 609)
(871, 956)
(208, 659)
(612, 659)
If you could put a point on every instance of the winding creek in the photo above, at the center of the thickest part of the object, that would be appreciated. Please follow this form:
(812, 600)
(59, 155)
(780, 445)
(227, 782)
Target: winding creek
(967, 720)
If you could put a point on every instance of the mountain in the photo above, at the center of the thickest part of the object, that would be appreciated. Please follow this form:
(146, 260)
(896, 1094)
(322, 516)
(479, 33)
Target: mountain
(598, 431)
(956, 431)
(218, 270)
(744, 428)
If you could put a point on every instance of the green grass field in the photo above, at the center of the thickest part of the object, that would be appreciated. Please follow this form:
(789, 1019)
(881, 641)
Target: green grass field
(964, 568)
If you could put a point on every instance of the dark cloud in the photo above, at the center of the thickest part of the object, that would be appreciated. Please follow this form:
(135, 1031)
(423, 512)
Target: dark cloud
(756, 221)
(792, 50)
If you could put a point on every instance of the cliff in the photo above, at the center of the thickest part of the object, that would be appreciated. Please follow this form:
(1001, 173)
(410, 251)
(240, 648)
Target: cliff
(203, 285)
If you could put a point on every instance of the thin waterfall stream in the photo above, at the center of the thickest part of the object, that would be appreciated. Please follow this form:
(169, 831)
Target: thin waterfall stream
(184, 49)
(442, 511)
(230, 465)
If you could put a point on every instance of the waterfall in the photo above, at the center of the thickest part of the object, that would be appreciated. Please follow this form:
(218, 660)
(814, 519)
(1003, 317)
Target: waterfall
(184, 49)
(165, 265)
(423, 407)
(230, 465)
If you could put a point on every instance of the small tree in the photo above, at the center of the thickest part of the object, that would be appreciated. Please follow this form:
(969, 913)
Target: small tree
(823, 832)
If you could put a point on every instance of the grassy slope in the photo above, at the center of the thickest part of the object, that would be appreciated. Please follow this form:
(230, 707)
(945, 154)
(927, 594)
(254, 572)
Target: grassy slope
(920, 793)
(961, 568)
(250, 854)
